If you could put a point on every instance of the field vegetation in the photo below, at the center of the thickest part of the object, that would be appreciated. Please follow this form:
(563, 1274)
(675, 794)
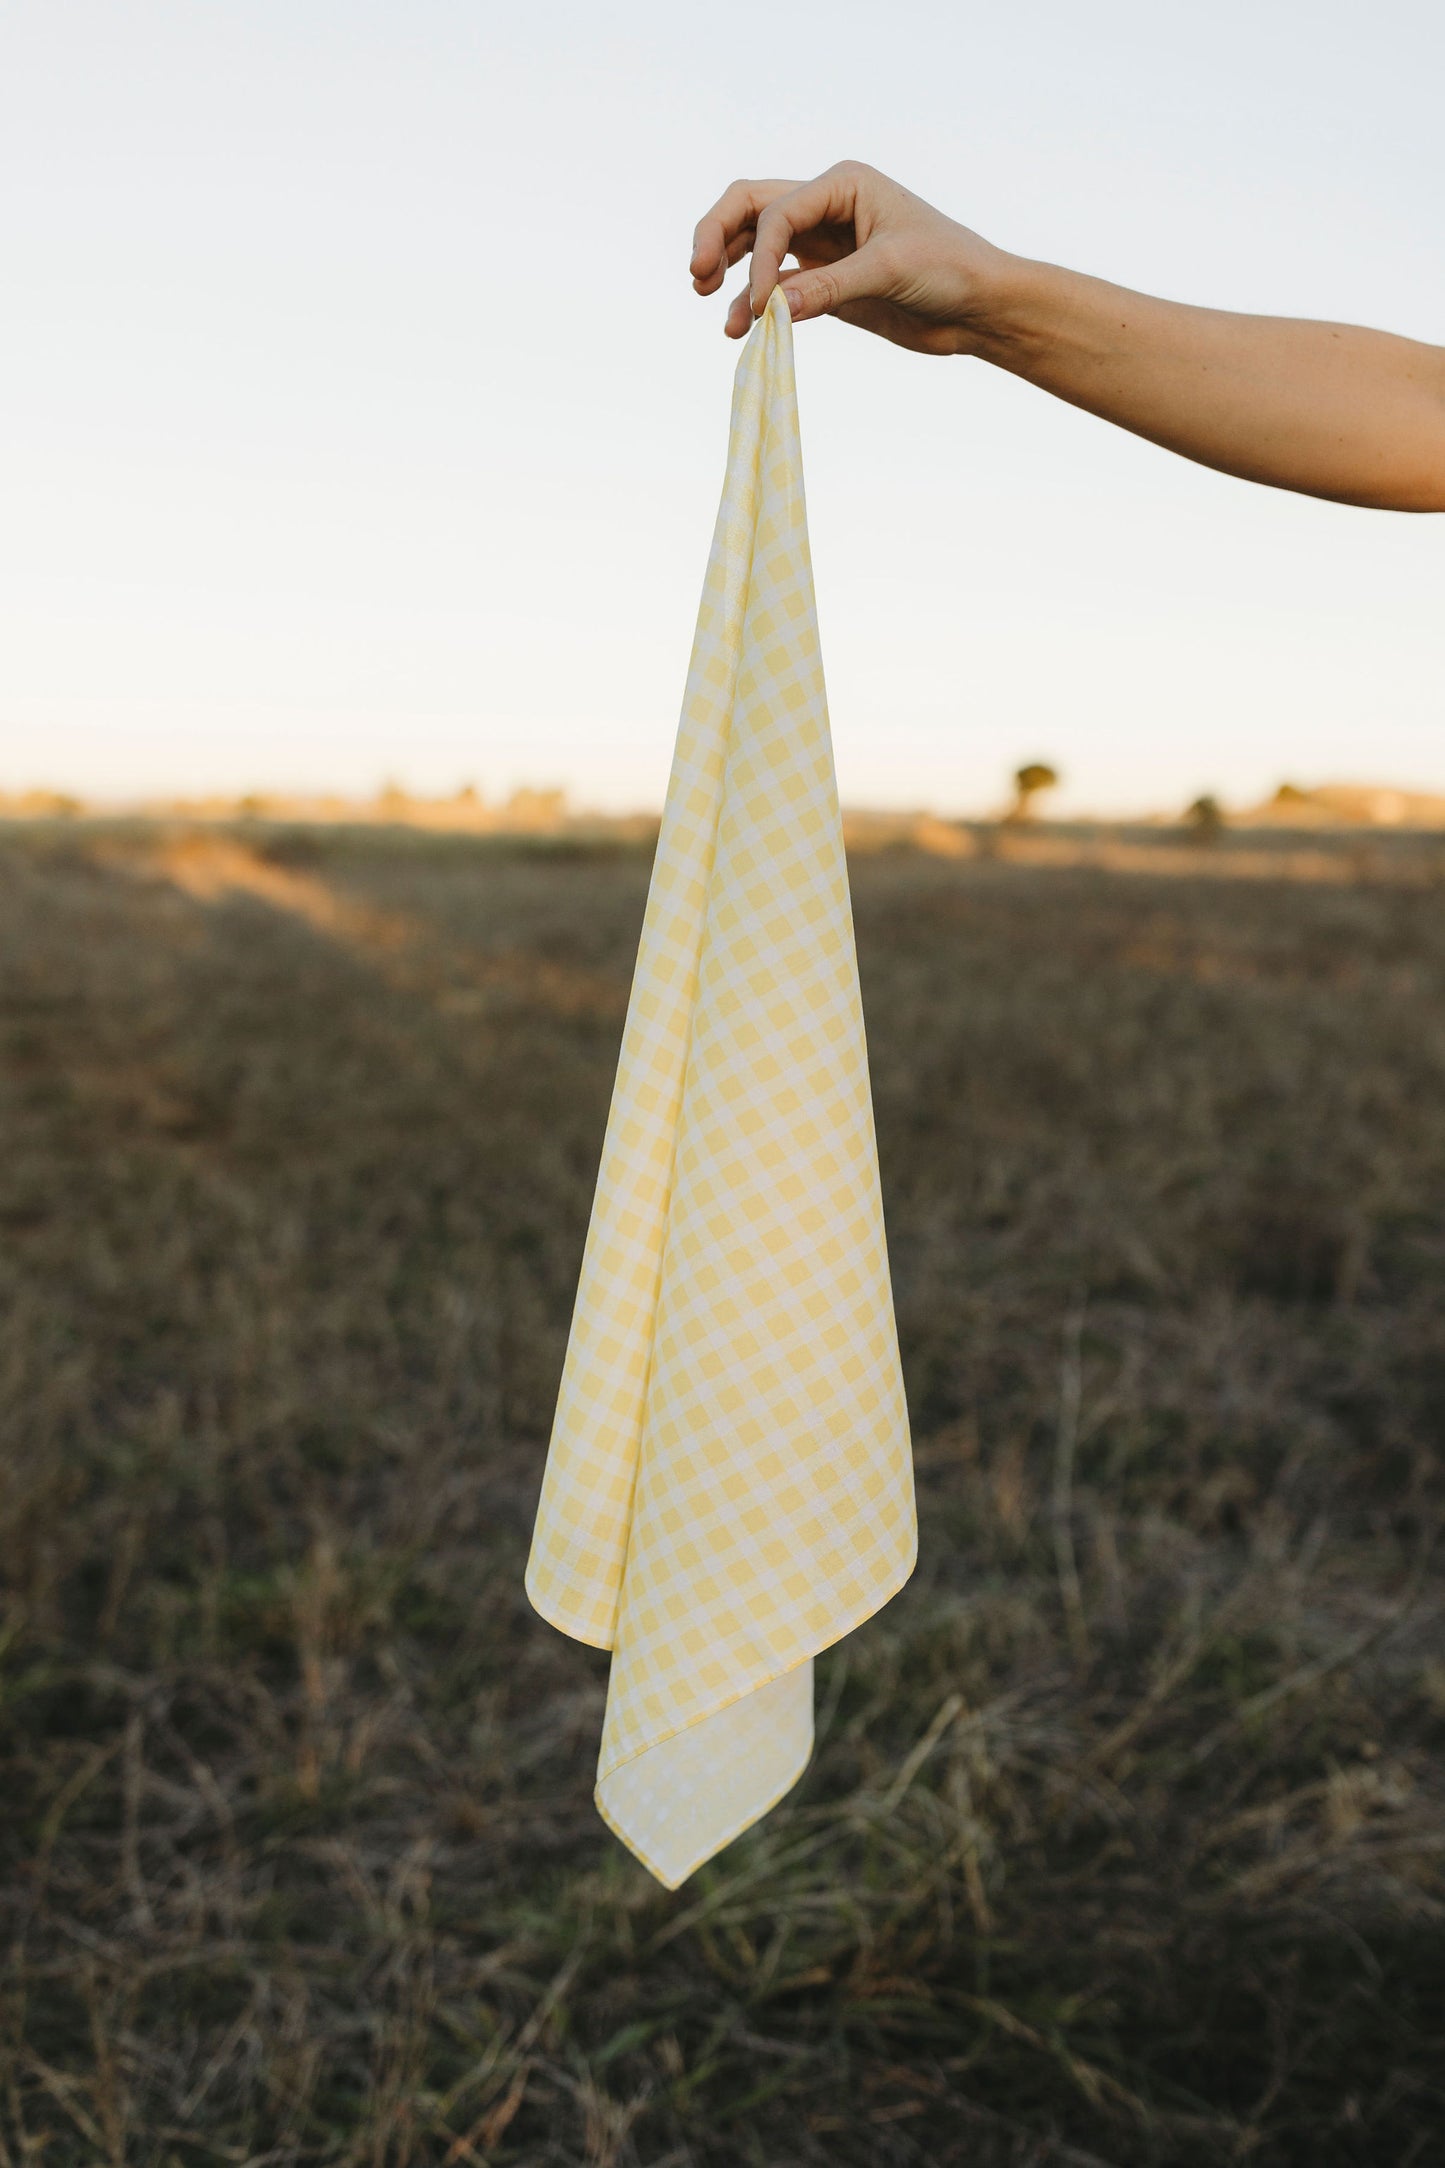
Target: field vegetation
(1124, 1841)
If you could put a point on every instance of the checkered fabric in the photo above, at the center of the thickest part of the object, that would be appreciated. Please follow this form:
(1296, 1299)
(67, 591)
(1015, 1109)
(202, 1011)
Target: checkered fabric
(729, 1487)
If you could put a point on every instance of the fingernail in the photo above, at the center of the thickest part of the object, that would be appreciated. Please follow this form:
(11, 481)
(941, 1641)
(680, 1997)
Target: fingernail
(795, 302)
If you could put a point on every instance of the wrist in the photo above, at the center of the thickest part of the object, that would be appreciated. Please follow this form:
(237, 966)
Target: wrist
(1012, 316)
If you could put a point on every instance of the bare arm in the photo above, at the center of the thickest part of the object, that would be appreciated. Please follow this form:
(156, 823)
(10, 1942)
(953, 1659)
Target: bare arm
(1332, 410)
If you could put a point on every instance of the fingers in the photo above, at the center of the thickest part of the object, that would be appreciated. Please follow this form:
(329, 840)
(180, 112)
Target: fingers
(831, 290)
(739, 319)
(831, 199)
(766, 217)
(719, 237)
(737, 248)
(862, 276)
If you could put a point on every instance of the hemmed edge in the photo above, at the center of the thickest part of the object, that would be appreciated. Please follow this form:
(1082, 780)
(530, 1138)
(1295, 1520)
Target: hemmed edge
(555, 1615)
(729, 1701)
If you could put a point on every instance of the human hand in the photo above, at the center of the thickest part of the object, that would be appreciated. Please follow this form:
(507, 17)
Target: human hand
(868, 251)
(1333, 410)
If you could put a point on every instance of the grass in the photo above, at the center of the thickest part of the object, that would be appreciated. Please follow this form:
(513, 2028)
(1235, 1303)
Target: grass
(1123, 1843)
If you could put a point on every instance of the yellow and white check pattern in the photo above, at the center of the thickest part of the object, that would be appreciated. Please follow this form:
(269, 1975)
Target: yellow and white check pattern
(729, 1487)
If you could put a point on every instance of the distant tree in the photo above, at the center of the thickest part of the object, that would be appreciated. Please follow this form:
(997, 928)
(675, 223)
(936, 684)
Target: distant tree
(1032, 778)
(1206, 818)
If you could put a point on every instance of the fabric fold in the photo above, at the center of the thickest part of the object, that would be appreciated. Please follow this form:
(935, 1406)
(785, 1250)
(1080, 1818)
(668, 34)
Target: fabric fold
(729, 1484)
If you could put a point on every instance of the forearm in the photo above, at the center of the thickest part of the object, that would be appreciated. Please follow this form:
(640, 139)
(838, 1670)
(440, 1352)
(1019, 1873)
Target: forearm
(1332, 410)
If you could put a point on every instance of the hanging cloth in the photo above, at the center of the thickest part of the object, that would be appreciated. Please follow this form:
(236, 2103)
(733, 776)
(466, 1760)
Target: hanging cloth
(729, 1486)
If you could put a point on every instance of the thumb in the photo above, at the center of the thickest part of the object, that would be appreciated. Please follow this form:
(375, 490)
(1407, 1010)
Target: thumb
(859, 277)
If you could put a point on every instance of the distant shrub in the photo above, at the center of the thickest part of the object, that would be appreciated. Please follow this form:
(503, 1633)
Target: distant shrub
(1206, 818)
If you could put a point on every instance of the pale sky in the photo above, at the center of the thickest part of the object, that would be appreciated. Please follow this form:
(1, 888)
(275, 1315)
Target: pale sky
(358, 419)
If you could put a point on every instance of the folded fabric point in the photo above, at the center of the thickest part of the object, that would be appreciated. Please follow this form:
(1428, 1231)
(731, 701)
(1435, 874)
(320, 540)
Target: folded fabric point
(729, 1484)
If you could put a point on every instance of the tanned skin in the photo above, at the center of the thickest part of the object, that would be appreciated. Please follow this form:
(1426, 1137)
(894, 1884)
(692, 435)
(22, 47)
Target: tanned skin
(1330, 410)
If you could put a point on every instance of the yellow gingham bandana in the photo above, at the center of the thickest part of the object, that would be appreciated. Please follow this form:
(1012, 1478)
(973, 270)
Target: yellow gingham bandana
(729, 1487)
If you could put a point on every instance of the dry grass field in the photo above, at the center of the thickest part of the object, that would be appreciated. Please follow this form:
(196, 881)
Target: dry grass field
(1125, 1838)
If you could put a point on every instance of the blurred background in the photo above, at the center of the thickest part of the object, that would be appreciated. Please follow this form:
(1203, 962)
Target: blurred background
(362, 439)
(359, 419)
